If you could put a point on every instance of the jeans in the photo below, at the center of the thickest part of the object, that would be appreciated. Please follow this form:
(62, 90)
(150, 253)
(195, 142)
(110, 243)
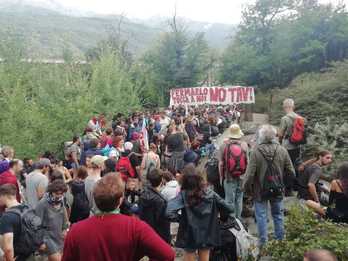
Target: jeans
(234, 195)
(277, 211)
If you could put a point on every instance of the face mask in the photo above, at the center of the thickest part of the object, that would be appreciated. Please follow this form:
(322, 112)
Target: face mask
(55, 200)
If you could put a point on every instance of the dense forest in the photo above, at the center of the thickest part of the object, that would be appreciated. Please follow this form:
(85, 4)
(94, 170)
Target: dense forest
(284, 48)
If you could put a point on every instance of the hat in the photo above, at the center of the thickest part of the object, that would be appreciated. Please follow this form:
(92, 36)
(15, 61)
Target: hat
(43, 162)
(128, 146)
(98, 160)
(235, 132)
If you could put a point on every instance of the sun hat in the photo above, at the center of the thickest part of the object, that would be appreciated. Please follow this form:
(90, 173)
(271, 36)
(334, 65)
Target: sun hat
(235, 132)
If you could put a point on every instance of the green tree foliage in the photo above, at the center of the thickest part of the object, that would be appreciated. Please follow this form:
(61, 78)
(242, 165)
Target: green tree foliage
(332, 137)
(306, 232)
(278, 40)
(43, 105)
(317, 96)
(177, 60)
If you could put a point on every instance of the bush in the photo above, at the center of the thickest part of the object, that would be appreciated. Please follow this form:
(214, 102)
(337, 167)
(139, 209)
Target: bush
(305, 232)
(317, 95)
(43, 105)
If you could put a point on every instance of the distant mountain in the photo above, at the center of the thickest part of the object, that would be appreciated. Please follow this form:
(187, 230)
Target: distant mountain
(48, 29)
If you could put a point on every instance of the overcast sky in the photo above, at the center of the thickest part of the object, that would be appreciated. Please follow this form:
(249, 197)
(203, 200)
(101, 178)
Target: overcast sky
(224, 11)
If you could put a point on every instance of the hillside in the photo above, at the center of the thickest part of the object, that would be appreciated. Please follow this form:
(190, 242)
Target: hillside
(47, 33)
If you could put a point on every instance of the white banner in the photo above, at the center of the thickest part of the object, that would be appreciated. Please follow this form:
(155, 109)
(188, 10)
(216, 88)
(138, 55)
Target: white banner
(212, 95)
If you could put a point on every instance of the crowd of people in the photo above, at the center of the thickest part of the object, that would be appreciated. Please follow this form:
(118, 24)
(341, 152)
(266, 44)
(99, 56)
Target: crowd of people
(131, 187)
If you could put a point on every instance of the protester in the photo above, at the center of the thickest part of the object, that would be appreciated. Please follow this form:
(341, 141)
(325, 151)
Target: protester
(94, 174)
(199, 229)
(7, 153)
(285, 133)
(269, 163)
(91, 151)
(308, 180)
(153, 205)
(74, 153)
(10, 176)
(150, 161)
(232, 166)
(54, 219)
(36, 182)
(11, 225)
(171, 186)
(80, 208)
(319, 255)
(176, 147)
(138, 239)
(338, 199)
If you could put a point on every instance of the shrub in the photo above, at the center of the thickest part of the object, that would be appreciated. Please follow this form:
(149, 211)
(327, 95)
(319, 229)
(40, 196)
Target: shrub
(305, 232)
(330, 136)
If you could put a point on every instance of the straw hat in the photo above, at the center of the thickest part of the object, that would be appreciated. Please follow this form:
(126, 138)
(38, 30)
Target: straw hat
(235, 132)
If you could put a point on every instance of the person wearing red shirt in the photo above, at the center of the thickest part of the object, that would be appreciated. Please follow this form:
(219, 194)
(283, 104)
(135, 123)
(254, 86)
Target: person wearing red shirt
(109, 235)
(9, 176)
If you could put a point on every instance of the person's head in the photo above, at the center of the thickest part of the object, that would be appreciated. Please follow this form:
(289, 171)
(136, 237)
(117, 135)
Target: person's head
(56, 175)
(108, 192)
(7, 152)
(94, 143)
(167, 176)
(342, 174)
(97, 162)
(155, 177)
(319, 255)
(324, 157)
(56, 190)
(288, 105)
(108, 131)
(153, 147)
(82, 172)
(117, 142)
(193, 184)
(110, 165)
(43, 165)
(267, 134)
(76, 139)
(8, 193)
(128, 146)
(16, 166)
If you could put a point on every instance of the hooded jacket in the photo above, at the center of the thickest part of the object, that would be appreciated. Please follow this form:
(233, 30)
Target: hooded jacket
(152, 206)
(257, 167)
(198, 225)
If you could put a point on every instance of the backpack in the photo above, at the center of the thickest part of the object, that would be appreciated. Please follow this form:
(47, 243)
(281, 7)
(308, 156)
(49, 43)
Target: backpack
(298, 132)
(272, 186)
(32, 232)
(80, 207)
(125, 168)
(212, 170)
(235, 160)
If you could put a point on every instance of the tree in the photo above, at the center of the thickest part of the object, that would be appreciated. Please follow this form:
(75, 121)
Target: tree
(178, 59)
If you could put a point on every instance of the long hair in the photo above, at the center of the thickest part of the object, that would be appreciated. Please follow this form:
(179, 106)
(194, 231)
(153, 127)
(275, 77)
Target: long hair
(193, 185)
(317, 156)
(342, 173)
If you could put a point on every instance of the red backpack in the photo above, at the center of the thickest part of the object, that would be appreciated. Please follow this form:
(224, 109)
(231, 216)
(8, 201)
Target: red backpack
(298, 133)
(235, 160)
(125, 168)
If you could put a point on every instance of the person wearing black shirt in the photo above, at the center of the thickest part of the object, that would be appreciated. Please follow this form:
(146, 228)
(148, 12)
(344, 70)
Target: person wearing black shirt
(10, 223)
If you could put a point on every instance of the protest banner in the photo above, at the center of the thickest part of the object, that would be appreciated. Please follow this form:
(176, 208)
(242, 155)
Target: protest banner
(212, 95)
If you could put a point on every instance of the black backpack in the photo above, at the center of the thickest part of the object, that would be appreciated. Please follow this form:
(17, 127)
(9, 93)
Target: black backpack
(212, 169)
(272, 186)
(31, 232)
(80, 207)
